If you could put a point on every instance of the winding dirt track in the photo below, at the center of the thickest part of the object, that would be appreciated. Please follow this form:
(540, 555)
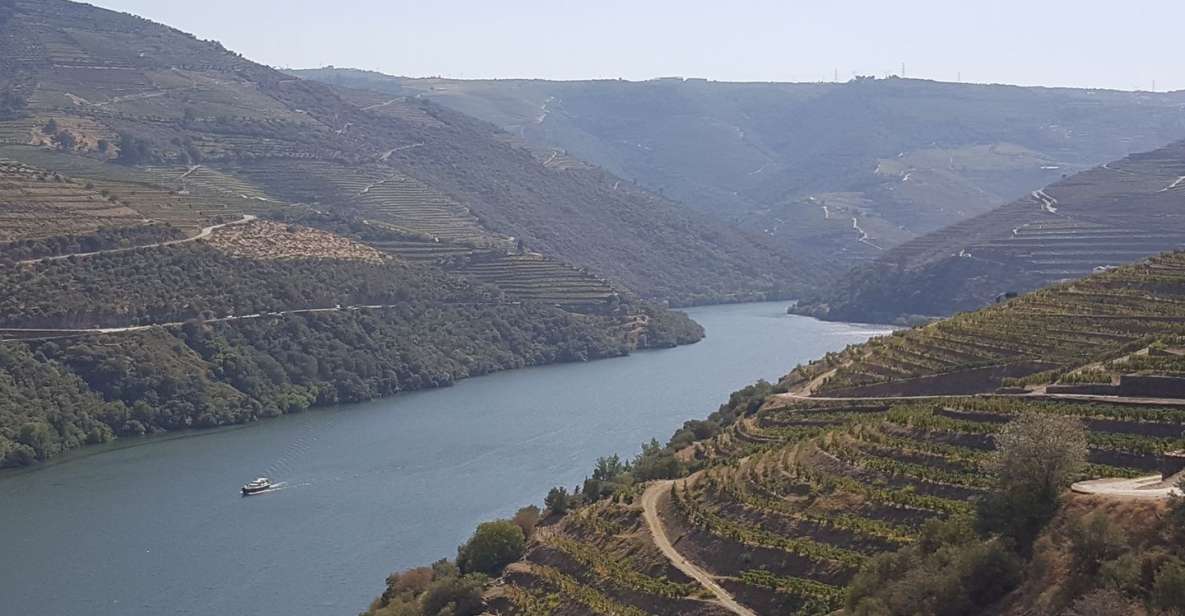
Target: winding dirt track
(205, 233)
(650, 513)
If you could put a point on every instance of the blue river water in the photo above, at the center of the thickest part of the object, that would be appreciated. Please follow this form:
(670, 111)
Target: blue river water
(158, 527)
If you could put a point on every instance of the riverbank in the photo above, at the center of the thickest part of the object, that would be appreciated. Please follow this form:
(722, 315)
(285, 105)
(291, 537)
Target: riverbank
(374, 487)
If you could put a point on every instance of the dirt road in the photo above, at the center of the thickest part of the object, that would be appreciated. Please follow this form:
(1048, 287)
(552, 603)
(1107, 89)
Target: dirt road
(650, 513)
(203, 234)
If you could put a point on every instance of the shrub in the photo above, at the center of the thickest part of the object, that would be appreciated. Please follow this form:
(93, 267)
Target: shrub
(1094, 540)
(1168, 590)
(1104, 603)
(947, 572)
(492, 546)
(455, 596)
(526, 519)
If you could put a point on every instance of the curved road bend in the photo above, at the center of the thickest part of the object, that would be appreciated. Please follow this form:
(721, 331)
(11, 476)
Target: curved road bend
(203, 234)
(650, 513)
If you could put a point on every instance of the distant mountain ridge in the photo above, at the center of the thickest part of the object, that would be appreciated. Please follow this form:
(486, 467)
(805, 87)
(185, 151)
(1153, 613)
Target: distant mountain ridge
(843, 171)
(86, 84)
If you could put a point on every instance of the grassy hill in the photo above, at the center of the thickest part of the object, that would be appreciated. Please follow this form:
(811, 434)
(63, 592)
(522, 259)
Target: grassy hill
(844, 171)
(831, 490)
(85, 86)
(1116, 213)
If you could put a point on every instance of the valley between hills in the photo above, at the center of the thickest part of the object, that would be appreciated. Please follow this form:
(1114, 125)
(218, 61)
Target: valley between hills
(190, 239)
(868, 482)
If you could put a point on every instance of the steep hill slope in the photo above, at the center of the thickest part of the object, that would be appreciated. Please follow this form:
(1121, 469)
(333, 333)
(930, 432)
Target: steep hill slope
(188, 239)
(1116, 213)
(85, 82)
(257, 319)
(789, 494)
(845, 170)
(1059, 327)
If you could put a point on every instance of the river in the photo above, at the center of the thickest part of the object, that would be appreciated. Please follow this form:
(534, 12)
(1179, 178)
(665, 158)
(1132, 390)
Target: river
(158, 526)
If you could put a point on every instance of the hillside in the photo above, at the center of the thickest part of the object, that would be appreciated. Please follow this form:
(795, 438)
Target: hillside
(1055, 329)
(259, 319)
(1116, 213)
(812, 495)
(843, 171)
(85, 86)
(189, 239)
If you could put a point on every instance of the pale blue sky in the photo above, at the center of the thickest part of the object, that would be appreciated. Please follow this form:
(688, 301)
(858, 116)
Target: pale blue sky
(1091, 43)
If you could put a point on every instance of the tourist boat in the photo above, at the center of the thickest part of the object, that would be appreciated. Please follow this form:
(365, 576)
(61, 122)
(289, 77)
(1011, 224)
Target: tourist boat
(257, 486)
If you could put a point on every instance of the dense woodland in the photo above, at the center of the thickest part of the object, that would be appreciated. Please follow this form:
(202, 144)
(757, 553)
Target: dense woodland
(208, 367)
(58, 395)
(193, 280)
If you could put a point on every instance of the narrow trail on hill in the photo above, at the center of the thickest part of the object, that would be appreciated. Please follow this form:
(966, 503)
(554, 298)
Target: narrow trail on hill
(1047, 202)
(203, 234)
(70, 333)
(650, 513)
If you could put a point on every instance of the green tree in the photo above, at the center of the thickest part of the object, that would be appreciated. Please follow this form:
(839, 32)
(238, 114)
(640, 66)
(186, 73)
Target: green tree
(656, 462)
(557, 500)
(1037, 456)
(492, 546)
(65, 140)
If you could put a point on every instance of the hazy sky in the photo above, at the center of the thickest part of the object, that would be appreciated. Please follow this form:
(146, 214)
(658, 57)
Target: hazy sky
(1092, 43)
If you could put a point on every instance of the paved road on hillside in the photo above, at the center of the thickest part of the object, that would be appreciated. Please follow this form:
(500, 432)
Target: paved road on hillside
(1150, 487)
(650, 513)
(203, 234)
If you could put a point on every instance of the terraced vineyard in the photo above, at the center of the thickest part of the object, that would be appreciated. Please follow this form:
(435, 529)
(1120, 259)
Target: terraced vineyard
(778, 501)
(600, 562)
(373, 192)
(1114, 214)
(1110, 313)
(796, 497)
(531, 277)
(31, 196)
(105, 97)
(165, 195)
